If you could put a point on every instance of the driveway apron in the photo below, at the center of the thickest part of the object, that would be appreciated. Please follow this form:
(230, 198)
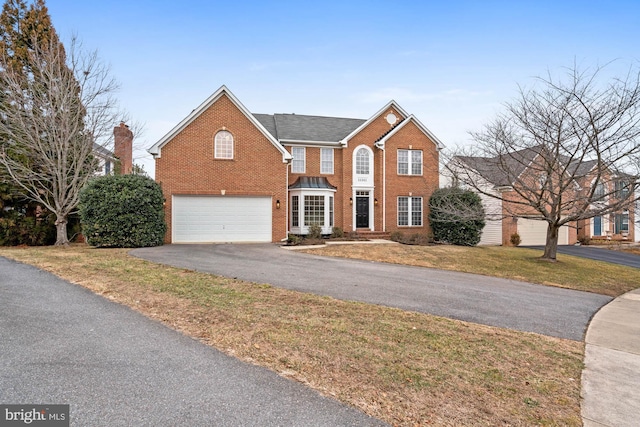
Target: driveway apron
(505, 303)
(62, 344)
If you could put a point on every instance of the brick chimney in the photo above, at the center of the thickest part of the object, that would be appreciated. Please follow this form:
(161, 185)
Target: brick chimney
(123, 147)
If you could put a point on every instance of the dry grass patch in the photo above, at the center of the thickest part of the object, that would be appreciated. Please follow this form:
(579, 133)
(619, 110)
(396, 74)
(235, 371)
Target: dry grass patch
(405, 368)
(511, 263)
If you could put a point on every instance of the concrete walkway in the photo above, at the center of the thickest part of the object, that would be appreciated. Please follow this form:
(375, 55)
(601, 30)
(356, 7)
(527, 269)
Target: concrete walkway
(611, 377)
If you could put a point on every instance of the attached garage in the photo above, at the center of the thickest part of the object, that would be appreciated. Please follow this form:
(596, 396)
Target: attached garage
(534, 233)
(218, 219)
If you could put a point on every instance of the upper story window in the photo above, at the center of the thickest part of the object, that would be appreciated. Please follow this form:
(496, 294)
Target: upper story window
(622, 189)
(223, 145)
(362, 162)
(326, 160)
(409, 162)
(598, 193)
(298, 162)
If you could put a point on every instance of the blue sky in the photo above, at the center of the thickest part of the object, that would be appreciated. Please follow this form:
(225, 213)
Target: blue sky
(451, 63)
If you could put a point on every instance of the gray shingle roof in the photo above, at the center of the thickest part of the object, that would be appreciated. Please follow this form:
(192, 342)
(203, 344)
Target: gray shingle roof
(503, 170)
(296, 127)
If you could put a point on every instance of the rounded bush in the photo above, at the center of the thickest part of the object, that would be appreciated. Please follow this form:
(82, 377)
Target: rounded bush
(122, 211)
(456, 216)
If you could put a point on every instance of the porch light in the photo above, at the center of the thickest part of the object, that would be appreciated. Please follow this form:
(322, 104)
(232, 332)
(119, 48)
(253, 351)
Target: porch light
(350, 200)
(375, 202)
(278, 204)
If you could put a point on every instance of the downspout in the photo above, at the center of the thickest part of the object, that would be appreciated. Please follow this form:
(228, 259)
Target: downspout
(384, 190)
(286, 202)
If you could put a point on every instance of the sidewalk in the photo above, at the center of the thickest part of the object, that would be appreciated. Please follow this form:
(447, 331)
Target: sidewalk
(611, 376)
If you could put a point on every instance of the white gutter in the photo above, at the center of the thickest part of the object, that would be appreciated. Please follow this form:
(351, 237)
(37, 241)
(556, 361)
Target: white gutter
(384, 190)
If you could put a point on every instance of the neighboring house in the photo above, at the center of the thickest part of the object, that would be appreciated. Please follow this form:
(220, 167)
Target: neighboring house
(106, 160)
(229, 175)
(499, 175)
(121, 158)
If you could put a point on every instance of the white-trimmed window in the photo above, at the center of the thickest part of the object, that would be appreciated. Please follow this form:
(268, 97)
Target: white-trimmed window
(410, 211)
(326, 161)
(223, 145)
(362, 162)
(313, 211)
(409, 162)
(295, 211)
(621, 222)
(298, 162)
(312, 207)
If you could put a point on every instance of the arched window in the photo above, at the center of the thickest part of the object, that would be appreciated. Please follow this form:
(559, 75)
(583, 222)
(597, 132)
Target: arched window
(362, 162)
(223, 145)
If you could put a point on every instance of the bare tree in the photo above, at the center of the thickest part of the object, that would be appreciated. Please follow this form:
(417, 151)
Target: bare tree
(564, 151)
(52, 121)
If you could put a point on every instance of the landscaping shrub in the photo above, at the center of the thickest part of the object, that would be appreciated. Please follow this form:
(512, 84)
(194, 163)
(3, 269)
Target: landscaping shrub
(293, 239)
(515, 239)
(122, 211)
(421, 239)
(17, 228)
(337, 233)
(456, 216)
(315, 232)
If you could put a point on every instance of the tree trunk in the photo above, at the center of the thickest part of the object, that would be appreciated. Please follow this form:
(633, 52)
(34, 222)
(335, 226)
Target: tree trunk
(61, 231)
(551, 247)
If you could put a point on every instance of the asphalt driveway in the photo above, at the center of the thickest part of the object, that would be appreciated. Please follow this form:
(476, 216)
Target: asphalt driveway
(62, 344)
(599, 254)
(491, 301)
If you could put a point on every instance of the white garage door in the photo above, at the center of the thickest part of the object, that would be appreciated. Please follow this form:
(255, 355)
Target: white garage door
(210, 219)
(534, 233)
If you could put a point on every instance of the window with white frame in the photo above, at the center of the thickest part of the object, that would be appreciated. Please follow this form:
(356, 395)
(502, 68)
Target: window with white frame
(409, 162)
(313, 210)
(598, 193)
(326, 160)
(223, 145)
(362, 162)
(295, 211)
(410, 211)
(621, 222)
(298, 162)
(330, 211)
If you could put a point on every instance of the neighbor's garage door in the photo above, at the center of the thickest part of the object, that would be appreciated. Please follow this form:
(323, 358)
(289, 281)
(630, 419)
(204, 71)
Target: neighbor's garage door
(534, 233)
(209, 219)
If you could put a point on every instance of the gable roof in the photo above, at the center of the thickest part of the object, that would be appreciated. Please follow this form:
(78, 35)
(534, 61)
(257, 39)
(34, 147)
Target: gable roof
(222, 91)
(302, 128)
(411, 119)
(403, 121)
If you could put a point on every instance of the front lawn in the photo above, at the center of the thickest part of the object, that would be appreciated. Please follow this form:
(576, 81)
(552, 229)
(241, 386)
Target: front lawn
(511, 263)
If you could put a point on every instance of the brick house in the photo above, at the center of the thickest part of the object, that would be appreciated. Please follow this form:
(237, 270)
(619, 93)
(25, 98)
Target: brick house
(229, 175)
(509, 214)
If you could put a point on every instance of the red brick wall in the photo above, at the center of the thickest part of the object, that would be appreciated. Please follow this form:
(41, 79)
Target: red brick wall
(187, 164)
(396, 185)
(410, 138)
